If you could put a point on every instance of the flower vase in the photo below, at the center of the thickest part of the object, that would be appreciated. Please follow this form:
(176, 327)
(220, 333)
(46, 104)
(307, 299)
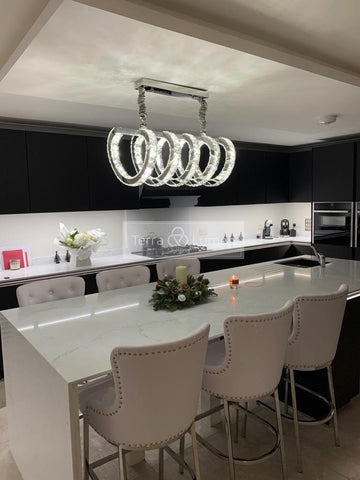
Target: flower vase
(81, 257)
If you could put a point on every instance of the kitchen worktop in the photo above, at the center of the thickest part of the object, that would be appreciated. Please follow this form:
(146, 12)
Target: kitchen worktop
(120, 258)
(64, 332)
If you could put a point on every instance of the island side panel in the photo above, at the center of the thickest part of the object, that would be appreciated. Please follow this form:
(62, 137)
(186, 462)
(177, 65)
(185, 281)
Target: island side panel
(42, 439)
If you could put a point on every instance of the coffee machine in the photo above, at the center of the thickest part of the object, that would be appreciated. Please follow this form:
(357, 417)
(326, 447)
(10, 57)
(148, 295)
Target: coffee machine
(284, 227)
(267, 230)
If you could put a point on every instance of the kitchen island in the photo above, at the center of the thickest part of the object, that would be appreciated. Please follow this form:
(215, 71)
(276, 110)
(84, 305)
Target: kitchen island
(51, 348)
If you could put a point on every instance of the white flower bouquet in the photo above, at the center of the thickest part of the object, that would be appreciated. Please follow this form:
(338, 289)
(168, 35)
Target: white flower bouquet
(82, 244)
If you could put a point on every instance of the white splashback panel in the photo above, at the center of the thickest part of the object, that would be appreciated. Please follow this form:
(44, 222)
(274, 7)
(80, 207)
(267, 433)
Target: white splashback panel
(38, 230)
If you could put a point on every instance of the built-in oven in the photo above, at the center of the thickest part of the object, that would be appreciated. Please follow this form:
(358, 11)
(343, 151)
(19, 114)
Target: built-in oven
(333, 223)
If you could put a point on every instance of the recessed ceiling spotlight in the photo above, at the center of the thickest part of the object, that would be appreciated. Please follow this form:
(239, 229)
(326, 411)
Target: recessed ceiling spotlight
(327, 119)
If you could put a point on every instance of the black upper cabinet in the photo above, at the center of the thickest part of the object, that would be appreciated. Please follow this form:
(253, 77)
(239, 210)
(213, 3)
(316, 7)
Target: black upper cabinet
(300, 176)
(58, 174)
(258, 177)
(357, 171)
(224, 194)
(277, 177)
(251, 177)
(105, 190)
(14, 186)
(333, 173)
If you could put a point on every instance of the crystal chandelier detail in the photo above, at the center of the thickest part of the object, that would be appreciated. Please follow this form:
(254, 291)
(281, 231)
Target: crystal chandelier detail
(168, 158)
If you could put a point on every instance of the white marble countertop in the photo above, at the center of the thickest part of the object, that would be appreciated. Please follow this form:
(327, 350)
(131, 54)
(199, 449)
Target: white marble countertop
(77, 335)
(104, 260)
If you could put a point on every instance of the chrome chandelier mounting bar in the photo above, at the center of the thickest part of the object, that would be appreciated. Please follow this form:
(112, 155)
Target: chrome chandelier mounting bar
(168, 158)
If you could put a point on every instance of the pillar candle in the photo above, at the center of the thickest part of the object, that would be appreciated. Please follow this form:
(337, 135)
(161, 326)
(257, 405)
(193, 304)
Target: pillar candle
(181, 274)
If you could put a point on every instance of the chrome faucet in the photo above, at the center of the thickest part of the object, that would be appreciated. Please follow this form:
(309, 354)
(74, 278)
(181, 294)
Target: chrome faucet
(319, 256)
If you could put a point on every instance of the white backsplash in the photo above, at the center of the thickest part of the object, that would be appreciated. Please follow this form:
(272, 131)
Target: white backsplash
(38, 230)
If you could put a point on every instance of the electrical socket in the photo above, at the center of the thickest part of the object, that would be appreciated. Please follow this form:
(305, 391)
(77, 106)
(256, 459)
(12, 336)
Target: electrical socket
(307, 224)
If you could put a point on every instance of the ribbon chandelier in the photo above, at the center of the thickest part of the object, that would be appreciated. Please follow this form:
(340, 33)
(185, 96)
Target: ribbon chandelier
(181, 165)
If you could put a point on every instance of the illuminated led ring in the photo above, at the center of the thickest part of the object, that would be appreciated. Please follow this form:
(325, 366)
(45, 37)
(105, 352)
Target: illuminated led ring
(161, 174)
(151, 170)
(144, 171)
(228, 166)
(201, 177)
(184, 174)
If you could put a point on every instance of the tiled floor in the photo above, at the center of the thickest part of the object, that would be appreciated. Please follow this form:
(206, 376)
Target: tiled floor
(322, 460)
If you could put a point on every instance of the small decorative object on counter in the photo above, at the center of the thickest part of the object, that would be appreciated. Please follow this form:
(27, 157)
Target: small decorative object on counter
(57, 257)
(241, 238)
(14, 263)
(171, 295)
(234, 281)
(225, 239)
(232, 238)
(181, 274)
(293, 231)
(67, 256)
(81, 244)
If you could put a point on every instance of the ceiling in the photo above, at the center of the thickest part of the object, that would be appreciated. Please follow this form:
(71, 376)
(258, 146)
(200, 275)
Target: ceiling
(272, 67)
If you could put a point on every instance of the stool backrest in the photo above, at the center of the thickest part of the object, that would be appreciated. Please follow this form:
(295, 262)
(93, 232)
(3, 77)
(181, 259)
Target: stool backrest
(156, 391)
(255, 348)
(122, 277)
(168, 268)
(316, 329)
(48, 290)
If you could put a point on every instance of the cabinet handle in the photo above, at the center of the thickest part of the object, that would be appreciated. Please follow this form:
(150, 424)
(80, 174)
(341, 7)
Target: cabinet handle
(332, 211)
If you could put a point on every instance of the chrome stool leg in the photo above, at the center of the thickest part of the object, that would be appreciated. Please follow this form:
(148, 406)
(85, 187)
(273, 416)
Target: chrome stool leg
(86, 448)
(229, 440)
(296, 420)
(195, 451)
(182, 453)
(236, 435)
(244, 422)
(122, 464)
(161, 463)
(286, 391)
(332, 397)
(281, 434)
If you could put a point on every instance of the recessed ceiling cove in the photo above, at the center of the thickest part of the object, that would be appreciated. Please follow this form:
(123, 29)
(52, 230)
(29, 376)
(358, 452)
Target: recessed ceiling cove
(81, 67)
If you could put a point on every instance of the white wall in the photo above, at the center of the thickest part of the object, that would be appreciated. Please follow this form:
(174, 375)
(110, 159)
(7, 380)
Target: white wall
(38, 230)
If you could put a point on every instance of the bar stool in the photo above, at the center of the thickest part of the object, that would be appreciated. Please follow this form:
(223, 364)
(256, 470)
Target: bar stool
(150, 401)
(122, 277)
(249, 368)
(312, 346)
(168, 268)
(48, 290)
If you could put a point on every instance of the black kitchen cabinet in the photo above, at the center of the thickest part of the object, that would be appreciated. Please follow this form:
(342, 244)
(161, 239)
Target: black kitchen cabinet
(14, 183)
(58, 173)
(227, 192)
(252, 177)
(277, 177)
(246, 184)
(106, 192)
(300, 176)
(357, 171)
(333, 173)
(259, 176)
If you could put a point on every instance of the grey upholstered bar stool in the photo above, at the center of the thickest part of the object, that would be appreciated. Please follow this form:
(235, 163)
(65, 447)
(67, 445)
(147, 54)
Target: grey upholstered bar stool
(248, 368)
(122, 277)
(312, 346)
(150, 401)
(48, 290)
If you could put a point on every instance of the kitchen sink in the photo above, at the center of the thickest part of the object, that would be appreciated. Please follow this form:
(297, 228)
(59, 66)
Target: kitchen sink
(300, 263)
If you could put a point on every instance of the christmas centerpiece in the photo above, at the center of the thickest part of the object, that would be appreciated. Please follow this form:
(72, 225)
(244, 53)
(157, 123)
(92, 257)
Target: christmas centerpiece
(171, 294)
(80, 244)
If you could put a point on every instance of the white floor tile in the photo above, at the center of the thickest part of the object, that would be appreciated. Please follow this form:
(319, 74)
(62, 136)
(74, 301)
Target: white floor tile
(321, 459)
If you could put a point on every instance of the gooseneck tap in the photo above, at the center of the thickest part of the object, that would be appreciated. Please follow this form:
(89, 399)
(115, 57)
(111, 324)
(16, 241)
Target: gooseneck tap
(319, 256)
